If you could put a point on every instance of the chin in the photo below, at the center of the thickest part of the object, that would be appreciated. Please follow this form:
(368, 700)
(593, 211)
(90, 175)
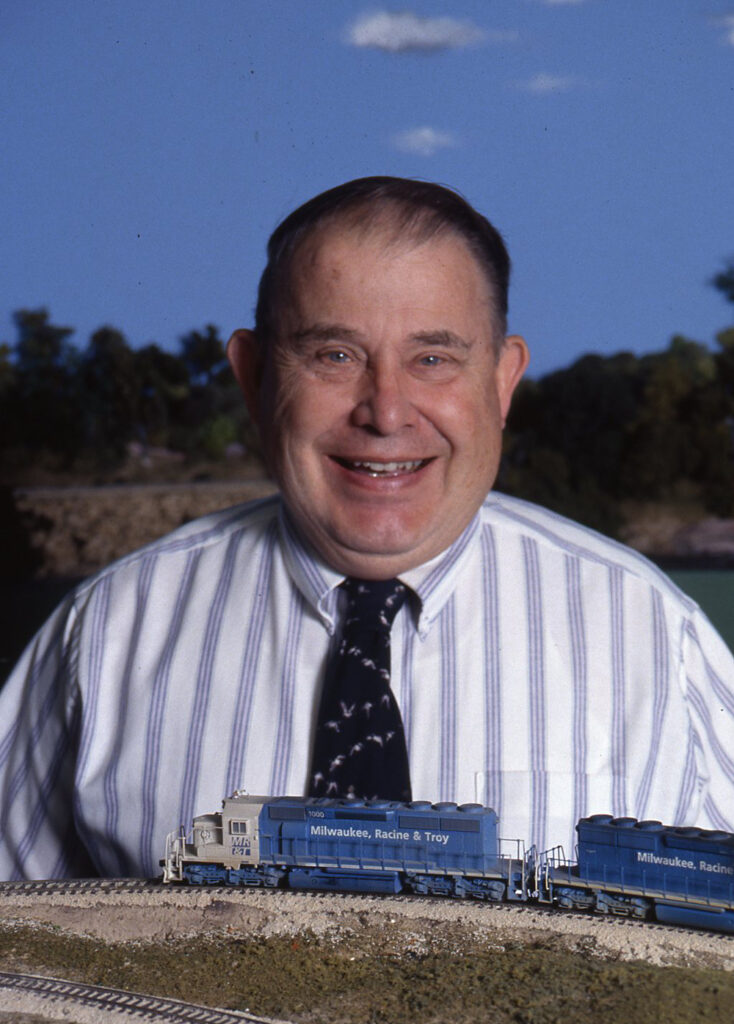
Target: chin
(387, 543)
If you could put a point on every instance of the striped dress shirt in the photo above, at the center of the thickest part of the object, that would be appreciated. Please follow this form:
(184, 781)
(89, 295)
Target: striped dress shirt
(540, 668)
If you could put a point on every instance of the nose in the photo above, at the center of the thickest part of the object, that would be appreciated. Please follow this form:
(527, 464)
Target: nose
(383, 404)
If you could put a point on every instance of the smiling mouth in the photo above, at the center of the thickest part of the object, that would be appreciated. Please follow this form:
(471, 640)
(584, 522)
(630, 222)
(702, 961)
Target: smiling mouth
(382, 469)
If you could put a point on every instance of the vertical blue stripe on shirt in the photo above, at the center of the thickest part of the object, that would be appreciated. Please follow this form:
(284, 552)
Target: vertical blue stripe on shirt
(282, 752)
(492, 678)
(100, 603)
(618, 644)
(161, 678)
(248, 672)
(579, 668)
(689, 781)
(447, 780)
(537, 738)
(112, 848)
(158, 699)
(660, 672)
(98, 612)
(74, 858)
(200, 708)
(158, 693)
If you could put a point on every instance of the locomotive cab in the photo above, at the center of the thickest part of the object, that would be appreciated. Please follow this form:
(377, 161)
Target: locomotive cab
(241, 830)
(228, 838)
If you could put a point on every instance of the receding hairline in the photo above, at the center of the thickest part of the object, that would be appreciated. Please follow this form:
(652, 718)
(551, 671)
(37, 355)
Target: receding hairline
(400, 226)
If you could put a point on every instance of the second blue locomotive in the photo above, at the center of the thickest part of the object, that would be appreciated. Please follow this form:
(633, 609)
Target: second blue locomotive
(682, 876)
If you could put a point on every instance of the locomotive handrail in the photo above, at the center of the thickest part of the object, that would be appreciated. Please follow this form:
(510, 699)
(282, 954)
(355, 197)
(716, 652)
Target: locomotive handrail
(174, 855)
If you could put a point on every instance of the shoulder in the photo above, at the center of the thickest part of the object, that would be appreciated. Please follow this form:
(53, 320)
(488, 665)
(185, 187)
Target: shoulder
(252, 523)
(555, 536)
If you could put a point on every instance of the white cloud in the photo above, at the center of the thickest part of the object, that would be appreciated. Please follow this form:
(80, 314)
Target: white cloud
(400, 33)
(727, 23)
(424, 141)
(542, 84)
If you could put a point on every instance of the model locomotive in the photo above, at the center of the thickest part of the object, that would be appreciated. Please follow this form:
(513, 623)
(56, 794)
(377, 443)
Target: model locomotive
(626, 867)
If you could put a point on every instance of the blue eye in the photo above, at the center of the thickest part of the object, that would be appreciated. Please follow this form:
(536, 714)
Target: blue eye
(337, 357)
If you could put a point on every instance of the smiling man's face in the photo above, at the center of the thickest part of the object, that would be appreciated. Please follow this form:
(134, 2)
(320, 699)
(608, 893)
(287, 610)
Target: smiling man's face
(382, 399)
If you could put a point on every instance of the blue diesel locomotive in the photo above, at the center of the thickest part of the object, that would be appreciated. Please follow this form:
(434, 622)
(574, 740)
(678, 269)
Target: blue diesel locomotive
(375, 846)
(642, 869)
(682, 876)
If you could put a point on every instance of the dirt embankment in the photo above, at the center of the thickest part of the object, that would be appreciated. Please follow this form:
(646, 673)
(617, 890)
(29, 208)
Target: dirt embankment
(667, 533)
(74, 531)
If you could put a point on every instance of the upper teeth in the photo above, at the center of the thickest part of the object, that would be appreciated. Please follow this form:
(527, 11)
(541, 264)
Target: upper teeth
(387, 467)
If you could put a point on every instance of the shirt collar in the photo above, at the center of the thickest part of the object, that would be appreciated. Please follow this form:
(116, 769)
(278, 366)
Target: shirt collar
(435, 581)
(432, 583)
(316, 580)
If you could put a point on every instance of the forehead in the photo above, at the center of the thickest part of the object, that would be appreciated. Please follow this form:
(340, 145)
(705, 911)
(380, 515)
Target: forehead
(338, 260)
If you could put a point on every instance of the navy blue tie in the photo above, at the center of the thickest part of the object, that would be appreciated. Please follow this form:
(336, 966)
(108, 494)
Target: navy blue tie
(359, 745)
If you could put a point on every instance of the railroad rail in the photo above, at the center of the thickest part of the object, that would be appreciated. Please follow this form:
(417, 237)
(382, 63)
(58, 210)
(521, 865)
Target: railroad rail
(123, 886)
(33, 992)
(71, 886)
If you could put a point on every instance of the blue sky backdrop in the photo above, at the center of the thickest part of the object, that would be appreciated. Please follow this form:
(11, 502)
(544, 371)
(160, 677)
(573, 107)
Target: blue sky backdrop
(149, 147)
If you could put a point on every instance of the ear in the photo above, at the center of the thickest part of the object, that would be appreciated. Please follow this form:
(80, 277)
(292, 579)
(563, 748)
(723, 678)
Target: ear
(511, 365)
(245, 356)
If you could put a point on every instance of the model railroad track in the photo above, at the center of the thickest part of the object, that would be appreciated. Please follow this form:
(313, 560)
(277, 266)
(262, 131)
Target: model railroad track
(33, 994)
(122, 886)
(86, 886)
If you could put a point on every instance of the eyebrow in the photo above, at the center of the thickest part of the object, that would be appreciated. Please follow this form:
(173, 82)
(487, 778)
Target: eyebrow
(325, 332)
(444, 338)
(329, 332)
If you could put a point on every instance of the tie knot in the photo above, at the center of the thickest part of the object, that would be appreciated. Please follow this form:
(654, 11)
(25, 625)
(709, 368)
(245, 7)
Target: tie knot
(374, 602)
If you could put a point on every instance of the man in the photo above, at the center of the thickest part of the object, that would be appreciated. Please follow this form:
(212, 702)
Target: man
(537, 667)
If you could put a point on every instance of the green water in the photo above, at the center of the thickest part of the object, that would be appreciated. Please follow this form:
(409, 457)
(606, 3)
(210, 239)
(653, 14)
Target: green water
(714, 591)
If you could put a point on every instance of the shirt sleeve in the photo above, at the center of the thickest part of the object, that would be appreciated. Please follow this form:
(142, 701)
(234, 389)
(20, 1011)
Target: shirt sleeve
(39, 715)
(708, 667)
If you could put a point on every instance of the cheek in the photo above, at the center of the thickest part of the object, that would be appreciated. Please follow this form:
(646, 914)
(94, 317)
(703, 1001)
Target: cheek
(305, 410)
(470, 419)
(288, 399)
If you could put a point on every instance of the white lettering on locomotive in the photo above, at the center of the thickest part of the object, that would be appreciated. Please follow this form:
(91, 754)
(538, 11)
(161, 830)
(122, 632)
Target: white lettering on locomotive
(717, 869)
(441, 838)
(334, 832)
(668, 862)
(381, 833)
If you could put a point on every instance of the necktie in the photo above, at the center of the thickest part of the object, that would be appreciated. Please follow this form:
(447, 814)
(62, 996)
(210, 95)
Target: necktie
(359, 746)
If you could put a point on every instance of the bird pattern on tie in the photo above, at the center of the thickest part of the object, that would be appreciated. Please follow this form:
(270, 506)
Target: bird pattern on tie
(359, 745)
